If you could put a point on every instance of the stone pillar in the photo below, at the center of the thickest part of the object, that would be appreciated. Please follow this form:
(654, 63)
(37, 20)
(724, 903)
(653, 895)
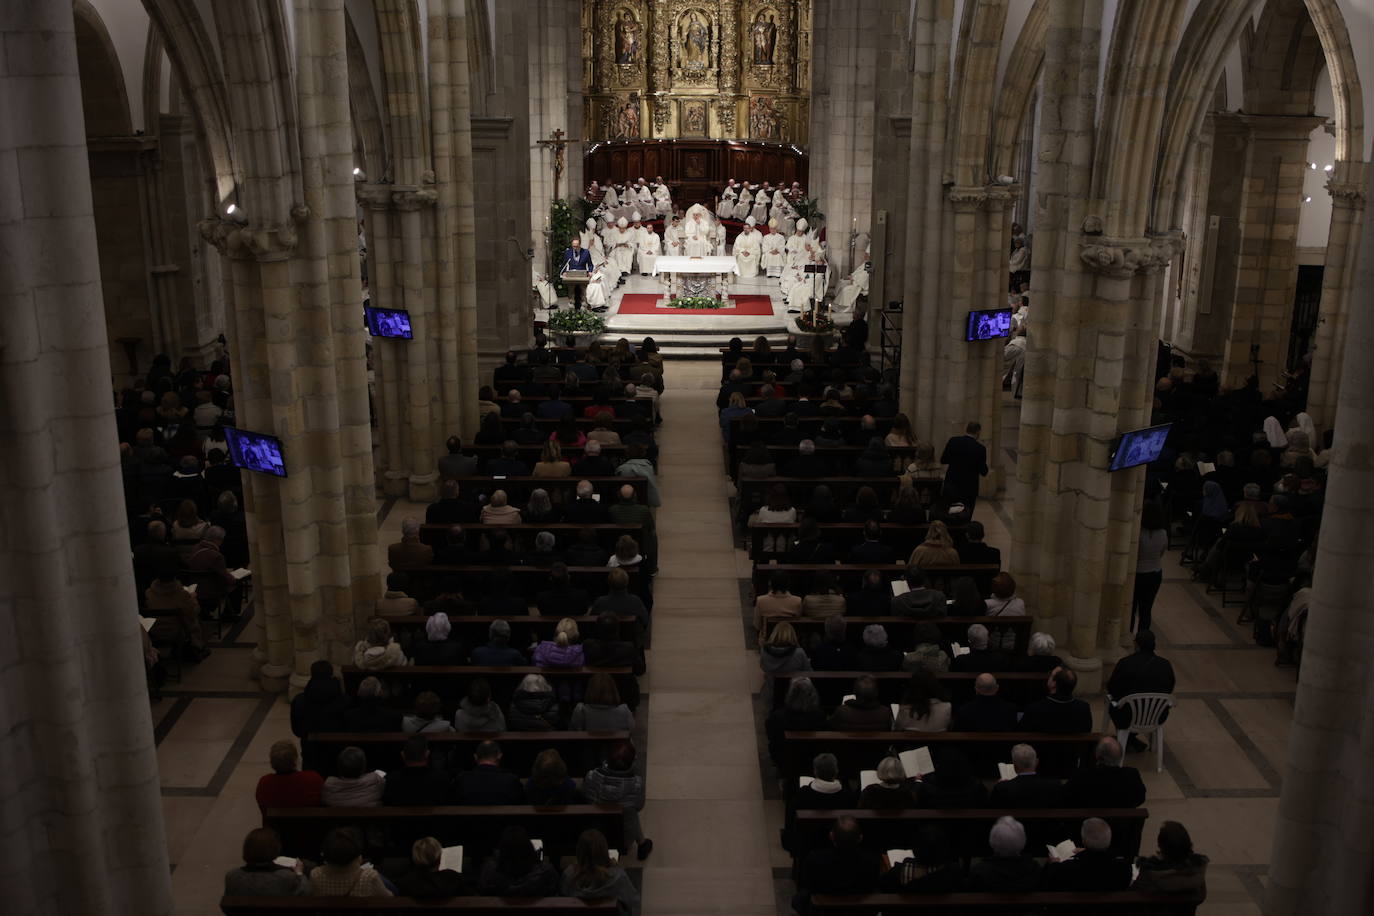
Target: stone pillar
(462, 223)
(81, 783)
(1062, 499)
(1324, 833)
(1338, 289)
(551, 27)
(1267, 275)
(842, 125)
(1225, 196)
(300, 372)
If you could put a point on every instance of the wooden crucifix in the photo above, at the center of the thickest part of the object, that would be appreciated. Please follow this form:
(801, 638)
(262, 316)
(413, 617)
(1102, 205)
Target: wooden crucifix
(558, 142)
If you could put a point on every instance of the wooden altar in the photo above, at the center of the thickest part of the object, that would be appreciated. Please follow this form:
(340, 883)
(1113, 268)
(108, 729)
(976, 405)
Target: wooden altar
(695, 170)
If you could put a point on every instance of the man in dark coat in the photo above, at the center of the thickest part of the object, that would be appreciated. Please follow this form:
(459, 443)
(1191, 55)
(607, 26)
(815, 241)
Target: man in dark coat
(1105, 784)
(966, 459)
(318, 708)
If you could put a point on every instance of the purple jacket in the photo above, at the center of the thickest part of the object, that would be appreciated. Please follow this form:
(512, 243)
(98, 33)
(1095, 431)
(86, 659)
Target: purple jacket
(549, 654)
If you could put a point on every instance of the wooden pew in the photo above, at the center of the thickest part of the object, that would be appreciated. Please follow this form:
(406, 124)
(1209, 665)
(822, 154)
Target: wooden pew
(565, 532)
(844, 535)
(473, 630)
(900, 629)
(968, 827)
(524, 580)
(581, 750)
(1060, 754)
(452, 681)
(518, 488)
(531, 453)
(476, 828)
(1018, 687)
(367, 906)
(1118, 903)
(850, 575)
(753, 492)
(839, 458)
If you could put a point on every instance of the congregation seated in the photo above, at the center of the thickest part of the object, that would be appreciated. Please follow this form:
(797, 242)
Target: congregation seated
(378, 650)
(1027, 789)
(1107, 783)
(354, 786)
(1010, 867)
(488, 783)
(369, 711)
(260, 875)
(986, 712)
(891, 792)
(979, 656)
(1004, 601)
(864, 711)
(427, 716)
(918, 601)
(593, 876)
(477, 711)
(451, 508)
(394, 601)
(781, 652)
(549, 782)
(517, 869)
(1059, 711)
(424, 879)
(845, 867)
(924, 707)
(1093, 867)
(585, 510)
(800, 711)
(439, 647)
(287, 786)
(455, 464)
(419, 780)
(409, 552)
(615, 782)
(601, 708)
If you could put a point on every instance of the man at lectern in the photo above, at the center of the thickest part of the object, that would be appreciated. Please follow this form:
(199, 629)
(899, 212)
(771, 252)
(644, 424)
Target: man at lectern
(576, 258)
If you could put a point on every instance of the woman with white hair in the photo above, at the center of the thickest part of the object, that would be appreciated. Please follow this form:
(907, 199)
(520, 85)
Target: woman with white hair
(891, 792)
(1042, 655)
(533, 706)
(437, 648)
(1009, 868)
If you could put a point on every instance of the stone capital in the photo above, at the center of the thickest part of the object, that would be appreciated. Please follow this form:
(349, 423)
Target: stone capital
(1121, 258)
(413, 198)
(966, 197)
(373, 196)
(1280, 127)
(275, 242)
(1346, 193)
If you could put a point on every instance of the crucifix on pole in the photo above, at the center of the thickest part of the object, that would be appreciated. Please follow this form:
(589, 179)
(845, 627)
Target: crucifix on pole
(558, 142)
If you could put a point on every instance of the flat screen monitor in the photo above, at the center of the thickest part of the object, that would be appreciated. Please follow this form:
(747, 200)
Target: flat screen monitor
(387, 322)
(255, 451)
(985, 324)
(1139, 446)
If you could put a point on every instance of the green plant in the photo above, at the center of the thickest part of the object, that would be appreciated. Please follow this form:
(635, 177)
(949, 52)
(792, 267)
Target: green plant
(810, 321)
(575, 321)
(563, 226)
(697, 302)
(809, 209)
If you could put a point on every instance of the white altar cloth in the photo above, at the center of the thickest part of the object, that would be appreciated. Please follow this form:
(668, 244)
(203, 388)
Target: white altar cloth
(678, 264)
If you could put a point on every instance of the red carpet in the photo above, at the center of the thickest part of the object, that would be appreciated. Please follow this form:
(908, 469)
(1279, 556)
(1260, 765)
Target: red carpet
(645, 304)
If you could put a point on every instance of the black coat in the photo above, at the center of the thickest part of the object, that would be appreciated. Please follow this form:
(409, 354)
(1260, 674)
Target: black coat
(872, 552)
(806, 466)
(489, 785)
(1105, 787)
(966, 459)
(445, 652)
(426, 785)
(370, 714)
(1090, 870)
(1027, 791)
(1061, 717)
(833, 656)
(985, 714)
(585, 512)
(563, 602)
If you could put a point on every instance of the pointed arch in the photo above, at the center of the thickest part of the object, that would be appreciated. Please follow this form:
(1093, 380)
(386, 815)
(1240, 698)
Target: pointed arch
(1018, 86)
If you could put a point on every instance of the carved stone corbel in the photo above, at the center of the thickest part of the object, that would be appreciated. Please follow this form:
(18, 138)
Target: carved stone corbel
(276, 242)
(1123, 258)
(412, 198)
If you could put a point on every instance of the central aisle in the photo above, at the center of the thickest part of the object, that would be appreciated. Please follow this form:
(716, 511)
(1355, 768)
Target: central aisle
(705, 808)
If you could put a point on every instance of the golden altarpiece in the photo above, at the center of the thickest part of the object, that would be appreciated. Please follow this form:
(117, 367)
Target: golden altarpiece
(697, 69)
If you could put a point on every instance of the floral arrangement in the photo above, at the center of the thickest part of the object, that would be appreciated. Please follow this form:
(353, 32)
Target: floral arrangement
(561, 226)
(575, 321)
(697, 302)
(815, 323)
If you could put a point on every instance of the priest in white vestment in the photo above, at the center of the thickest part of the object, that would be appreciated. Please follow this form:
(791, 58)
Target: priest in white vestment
(649, 248)
(610, 199)
(745, 205)
(796, 243)
(722, 239)
(773, 252)
(643, 196)
(621, 243)
(672, 237)
(591, 240)
(547, 294)
(761, 203)
(854, 286)
(663, 199)
(748, 250)
(599, 286)
(725, 209)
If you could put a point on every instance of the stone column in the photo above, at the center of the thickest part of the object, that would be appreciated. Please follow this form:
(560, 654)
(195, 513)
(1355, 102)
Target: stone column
(552, 83)
(421, 366)
(842, 125)
(1338, 289)
(1324, 833)
(81, 783)
(1267, 274)
(463, 224)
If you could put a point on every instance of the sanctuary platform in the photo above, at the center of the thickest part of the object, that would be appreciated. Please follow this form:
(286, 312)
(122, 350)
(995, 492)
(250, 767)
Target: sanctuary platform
(635, 312)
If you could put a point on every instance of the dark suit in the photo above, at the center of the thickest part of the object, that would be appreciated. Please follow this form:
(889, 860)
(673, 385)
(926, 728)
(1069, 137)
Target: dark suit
(980, 660)
(563, 602)
(872, 552)
(585, 512)
(985, 714)
(1143, 672)
(773, 407)
(1105, 787)
(489, 785)
(1027, 791)
(1056, 716)
(1091, 870)
(370, 715)
(966, 459)
(576, 259)
(805, 466)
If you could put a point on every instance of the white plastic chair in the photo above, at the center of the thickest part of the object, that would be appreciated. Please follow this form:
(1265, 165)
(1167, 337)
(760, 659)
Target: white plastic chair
(1147, 714)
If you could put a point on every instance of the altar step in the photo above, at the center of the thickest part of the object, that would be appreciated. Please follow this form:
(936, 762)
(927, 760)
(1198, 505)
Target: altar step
(677, 342)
